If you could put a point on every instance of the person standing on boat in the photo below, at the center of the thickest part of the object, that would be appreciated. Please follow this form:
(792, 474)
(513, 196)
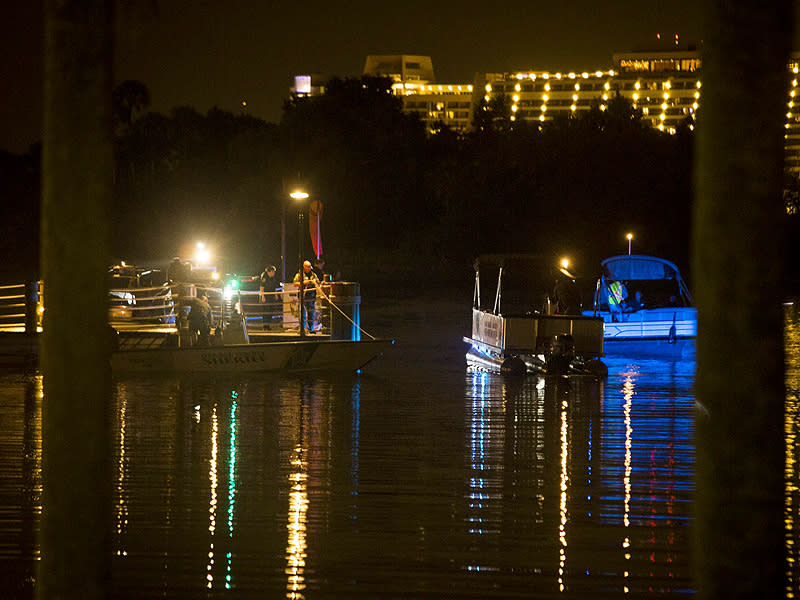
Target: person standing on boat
(268, 295)
(617, 297)
(310, 282)
(200, 319)
(568, 299)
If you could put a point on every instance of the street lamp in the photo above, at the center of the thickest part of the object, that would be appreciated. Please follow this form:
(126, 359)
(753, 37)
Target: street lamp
(630, 237)
(300, 196)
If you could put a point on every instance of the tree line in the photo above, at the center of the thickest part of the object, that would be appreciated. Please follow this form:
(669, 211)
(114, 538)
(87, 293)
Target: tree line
(397, 199)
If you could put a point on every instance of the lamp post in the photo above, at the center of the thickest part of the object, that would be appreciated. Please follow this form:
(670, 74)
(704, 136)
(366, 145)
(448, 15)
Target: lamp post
(630, 237)
(283, 241)
(300, 196)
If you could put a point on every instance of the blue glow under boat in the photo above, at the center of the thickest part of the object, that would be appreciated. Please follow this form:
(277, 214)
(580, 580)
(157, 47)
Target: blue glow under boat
(646, 308)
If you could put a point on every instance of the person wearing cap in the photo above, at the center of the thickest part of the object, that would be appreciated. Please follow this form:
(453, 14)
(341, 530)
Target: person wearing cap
(310, 283)
(268, 295)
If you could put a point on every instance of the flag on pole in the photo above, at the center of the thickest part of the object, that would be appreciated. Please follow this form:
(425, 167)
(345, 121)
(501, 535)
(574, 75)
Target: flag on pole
(314, 220)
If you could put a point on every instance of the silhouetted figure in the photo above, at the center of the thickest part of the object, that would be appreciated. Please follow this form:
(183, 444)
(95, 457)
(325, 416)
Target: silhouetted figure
(568, 300)
(268, 295)
(200, 319)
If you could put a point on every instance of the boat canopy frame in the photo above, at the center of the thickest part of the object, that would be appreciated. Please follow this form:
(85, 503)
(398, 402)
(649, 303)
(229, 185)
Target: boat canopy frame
(502, 262)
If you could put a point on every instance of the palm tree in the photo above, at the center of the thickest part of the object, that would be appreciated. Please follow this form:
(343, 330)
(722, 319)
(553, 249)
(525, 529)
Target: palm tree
(128, 97)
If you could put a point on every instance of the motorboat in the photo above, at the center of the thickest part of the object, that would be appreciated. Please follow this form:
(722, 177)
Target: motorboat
(520, 333)
(646, 307)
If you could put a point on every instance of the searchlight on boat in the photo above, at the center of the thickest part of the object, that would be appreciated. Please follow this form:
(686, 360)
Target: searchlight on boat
(202, 255)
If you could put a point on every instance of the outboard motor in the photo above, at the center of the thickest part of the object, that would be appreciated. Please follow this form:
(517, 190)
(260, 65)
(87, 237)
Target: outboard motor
(561, 354)
(513, 365)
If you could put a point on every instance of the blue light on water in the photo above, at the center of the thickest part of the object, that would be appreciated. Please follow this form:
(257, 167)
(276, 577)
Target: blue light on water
(232, 481)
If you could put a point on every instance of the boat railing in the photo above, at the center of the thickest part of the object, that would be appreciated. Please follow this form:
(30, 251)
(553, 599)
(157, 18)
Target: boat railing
(336, 308)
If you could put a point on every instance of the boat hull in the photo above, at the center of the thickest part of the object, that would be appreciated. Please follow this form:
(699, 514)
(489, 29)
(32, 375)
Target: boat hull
(310, 355)
(681, 348)
(661, 333)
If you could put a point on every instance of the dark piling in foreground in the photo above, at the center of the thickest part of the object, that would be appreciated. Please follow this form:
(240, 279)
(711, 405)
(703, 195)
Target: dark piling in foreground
(77, 190)
(738, 270)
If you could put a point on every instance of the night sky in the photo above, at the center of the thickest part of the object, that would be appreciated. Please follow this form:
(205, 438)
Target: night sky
(204, 53)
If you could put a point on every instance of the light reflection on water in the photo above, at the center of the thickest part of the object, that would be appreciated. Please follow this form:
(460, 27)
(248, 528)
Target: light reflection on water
(446, 483)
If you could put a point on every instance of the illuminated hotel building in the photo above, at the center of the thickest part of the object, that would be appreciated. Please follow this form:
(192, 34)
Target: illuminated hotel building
(665, 84)
(414, 81)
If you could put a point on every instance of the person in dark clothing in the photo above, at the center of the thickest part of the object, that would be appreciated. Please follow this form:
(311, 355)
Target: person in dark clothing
(568, 300)
(637, 303)
(200, 319)
(268, 296)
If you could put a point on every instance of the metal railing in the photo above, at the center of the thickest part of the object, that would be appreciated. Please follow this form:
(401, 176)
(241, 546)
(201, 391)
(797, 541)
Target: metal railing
(333, 312)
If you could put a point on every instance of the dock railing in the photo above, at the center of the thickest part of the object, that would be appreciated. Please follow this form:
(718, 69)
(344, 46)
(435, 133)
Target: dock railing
(21, 307)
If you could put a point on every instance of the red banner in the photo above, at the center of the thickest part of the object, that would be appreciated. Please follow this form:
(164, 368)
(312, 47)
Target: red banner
(314, 221)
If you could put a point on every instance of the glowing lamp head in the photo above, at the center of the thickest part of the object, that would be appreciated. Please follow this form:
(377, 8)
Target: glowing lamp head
(298, 195)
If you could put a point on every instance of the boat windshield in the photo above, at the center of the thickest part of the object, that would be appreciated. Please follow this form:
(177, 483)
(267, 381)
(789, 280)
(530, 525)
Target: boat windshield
(657, 281)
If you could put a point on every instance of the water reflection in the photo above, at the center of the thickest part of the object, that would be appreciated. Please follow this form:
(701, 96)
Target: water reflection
(792, 434)
(430, 485)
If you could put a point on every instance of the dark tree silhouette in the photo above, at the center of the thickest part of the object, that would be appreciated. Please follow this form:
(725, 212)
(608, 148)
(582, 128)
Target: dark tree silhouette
(128, 98)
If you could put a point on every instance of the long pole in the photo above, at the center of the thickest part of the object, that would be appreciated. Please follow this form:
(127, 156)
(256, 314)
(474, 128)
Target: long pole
(302, 274)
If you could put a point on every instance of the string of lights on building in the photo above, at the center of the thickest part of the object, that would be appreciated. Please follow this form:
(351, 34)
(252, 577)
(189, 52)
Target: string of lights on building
(666, 85)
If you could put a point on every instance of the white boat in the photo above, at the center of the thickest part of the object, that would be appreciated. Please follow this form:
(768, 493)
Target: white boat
(233, 349)
(646, 307)
(297, 355)
(519, 334)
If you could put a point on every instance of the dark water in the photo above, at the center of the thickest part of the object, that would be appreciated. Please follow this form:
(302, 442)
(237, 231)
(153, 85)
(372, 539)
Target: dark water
(415, 479)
